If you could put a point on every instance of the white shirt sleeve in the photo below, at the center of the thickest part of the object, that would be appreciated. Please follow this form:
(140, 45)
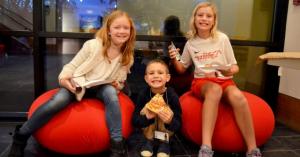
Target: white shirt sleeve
(186, 58)
(229, 51)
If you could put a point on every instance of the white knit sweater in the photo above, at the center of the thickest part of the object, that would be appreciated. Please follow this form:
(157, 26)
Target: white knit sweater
(85, 62)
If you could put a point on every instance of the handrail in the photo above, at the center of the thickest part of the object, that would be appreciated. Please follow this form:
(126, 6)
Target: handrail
(16, 18)
(27, 21)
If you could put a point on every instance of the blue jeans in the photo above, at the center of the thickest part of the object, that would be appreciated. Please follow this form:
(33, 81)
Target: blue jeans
(106, 93)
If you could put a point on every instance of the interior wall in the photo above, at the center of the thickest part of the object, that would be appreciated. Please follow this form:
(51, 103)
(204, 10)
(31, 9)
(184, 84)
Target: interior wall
(290, 77)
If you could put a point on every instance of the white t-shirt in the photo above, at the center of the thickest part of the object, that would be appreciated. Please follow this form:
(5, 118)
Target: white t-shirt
(200, 52)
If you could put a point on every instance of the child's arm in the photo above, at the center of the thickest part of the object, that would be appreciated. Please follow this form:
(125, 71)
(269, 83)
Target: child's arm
(229, 54)
(231, 71)
(80, 57)
(174, 104)
(140, 120)
(149, 114)
(121, 75)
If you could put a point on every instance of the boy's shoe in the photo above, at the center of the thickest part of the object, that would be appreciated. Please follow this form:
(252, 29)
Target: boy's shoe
(205, 151)
(163, 150)
(147, 149)
(254, 153)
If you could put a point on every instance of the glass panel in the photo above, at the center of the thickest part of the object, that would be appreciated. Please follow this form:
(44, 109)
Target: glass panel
(16, 73)
(241, 20)
(246, 20)
(149, 16)
(252, 73)
(16, 15)
(76, 15)
(59, 52)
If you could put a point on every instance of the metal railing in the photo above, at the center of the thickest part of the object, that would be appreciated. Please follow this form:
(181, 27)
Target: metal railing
(15, 18)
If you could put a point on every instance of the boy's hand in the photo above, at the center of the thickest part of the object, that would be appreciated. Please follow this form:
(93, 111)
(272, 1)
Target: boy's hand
(150, 114)
(166, 115)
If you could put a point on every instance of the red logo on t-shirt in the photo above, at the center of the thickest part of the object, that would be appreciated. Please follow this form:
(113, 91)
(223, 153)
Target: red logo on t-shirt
(200, 56)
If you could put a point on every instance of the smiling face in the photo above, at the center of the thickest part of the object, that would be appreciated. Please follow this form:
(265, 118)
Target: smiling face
(157, 75)
(119, 30)
(204, 19)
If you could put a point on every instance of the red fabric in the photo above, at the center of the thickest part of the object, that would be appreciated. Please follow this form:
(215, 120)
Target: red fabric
(199, 82)
(227, 136)
(81, 127)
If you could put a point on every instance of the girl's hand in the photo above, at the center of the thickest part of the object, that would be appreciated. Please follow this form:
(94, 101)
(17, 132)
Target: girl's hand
(67, 83)
(115, 84)
(227, 72)
(231, 71)
(166, 115)
(173, 53)
(211, 74)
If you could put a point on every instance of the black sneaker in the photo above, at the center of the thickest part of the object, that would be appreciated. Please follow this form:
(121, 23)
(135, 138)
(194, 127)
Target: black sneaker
(147, 149)
(163, 150)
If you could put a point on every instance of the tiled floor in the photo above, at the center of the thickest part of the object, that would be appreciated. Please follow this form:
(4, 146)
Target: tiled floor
(283, 143)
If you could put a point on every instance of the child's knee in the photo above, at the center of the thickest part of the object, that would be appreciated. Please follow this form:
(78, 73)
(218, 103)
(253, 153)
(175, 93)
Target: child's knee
(213, 91)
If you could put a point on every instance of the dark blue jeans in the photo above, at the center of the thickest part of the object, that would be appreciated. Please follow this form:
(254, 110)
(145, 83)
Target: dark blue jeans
(106, 93)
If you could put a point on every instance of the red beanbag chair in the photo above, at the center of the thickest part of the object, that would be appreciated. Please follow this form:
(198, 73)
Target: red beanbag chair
(227, 136)
(80, 128)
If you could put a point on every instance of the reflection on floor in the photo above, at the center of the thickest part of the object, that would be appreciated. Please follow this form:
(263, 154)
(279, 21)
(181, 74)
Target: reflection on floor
(283, 143)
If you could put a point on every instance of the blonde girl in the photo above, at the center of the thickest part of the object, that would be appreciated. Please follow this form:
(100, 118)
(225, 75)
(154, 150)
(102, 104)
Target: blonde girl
(207, 48)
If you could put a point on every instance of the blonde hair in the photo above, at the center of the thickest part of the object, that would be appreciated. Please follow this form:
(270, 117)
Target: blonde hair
(127, 48)
(193, 30)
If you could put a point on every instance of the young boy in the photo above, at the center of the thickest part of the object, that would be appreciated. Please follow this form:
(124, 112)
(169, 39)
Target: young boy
(157, 112)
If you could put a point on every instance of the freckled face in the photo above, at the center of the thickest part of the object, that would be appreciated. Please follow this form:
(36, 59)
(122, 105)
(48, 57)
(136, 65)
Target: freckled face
(204, 19)
(120, 30)
(156, 76)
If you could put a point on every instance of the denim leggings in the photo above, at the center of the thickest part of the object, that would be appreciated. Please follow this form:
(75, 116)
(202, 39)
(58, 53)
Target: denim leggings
(106, 93)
